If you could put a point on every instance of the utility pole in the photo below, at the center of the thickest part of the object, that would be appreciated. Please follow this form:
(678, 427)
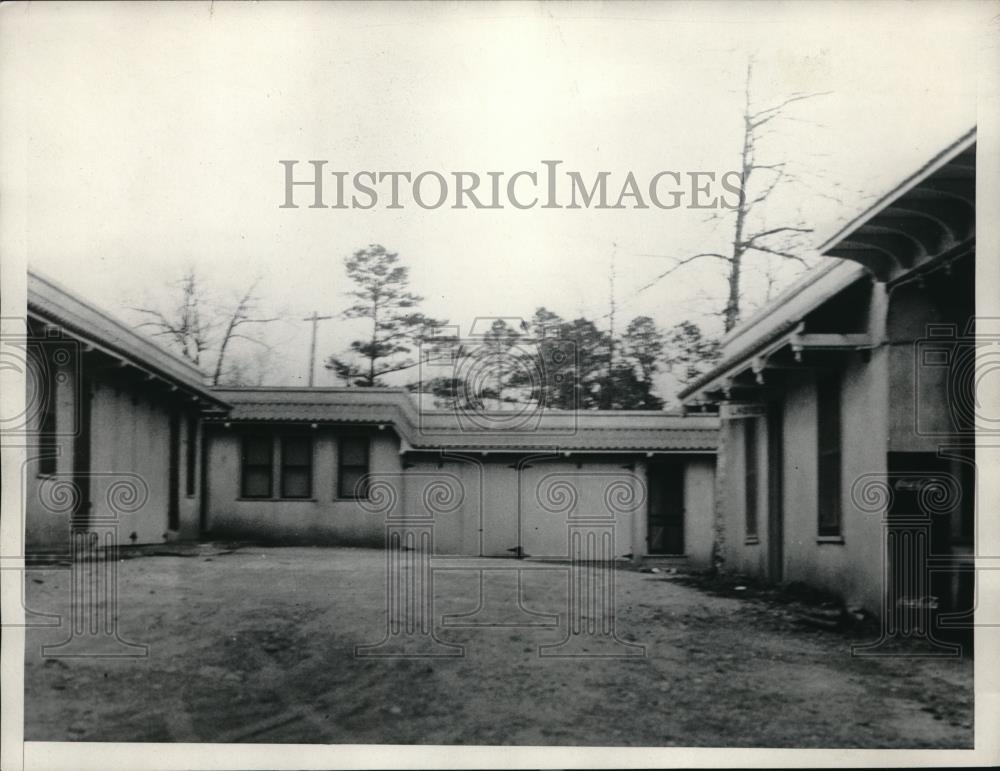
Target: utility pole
(315, 319)
(611, 334)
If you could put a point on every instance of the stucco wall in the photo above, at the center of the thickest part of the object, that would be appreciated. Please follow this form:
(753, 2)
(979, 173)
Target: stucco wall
(129, 438)
(478, 506)
(920, 412)
(738, 555)
(47, 524)
(699, 511)
(130, 430)
(322, 519)
(851, 567)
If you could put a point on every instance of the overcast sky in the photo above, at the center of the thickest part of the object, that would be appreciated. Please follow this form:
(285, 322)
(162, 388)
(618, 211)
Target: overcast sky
(145, 138)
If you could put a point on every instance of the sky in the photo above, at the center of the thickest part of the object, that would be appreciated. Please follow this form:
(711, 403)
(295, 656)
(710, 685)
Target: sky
(143, 139)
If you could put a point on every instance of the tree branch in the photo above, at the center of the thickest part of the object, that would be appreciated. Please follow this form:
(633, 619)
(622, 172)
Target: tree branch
(680, 264)
(757, 119)
(779, 253)
(763, 234)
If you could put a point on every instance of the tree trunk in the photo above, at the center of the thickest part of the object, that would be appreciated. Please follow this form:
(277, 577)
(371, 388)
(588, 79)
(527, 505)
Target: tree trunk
(732, 314)
(372, 353)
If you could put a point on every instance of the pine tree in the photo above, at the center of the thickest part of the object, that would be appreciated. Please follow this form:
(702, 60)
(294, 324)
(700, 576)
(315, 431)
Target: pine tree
(383, 297)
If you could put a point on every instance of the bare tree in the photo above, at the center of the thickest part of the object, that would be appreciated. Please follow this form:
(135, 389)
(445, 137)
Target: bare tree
(185, 325)
(751, 233)
(200, 328)
(249, 368)
(245, 312)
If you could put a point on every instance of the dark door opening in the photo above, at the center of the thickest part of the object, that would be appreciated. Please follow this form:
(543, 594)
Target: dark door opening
(775, 492)
(665, 534)
(81, 452)
(174, 476)
(929, 544)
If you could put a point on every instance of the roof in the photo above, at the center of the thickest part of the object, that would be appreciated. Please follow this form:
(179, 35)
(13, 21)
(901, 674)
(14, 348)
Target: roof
(499, 431)
(812, 289)
(54, 304)
(929, 214)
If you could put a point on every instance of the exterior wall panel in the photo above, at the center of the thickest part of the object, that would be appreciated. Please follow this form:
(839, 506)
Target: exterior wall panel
(323, 518)
(46, 527)
(699, 511)
(129, 435)
(850, 569)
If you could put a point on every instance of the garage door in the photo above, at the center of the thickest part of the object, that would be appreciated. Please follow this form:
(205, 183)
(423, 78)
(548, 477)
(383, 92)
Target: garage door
(449, 491)
(502, 508)
(558, 498)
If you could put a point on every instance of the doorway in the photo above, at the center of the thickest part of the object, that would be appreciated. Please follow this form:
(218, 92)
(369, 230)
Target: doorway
(173, 473)
(775, 492)
(665, 534)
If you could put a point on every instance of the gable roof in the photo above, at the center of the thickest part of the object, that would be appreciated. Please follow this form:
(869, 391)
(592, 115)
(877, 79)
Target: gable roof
(498, 431)
(54, 304)
(931, 212)
(889, 238)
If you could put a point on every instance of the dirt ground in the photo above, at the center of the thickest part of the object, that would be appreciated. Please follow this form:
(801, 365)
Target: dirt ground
(258, 645)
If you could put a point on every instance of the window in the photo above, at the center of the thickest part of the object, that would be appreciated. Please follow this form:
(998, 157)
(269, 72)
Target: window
(257, 467)
(750, 473)
(192, 454)
(352, 459)
(828, 455)
(296, 467)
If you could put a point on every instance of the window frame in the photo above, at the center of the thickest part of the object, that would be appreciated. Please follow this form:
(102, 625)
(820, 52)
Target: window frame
(341, 494)
(751, 479)
(244, 466)
(829, 455)
(308, 465)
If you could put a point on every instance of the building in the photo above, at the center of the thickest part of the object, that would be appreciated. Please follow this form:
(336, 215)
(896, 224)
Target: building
(113, 425)
(845, 458)
(126, 436)
(295, 465)
(848, 421)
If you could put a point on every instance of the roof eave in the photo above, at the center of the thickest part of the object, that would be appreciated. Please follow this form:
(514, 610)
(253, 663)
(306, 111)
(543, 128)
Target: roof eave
(202, 393)
(965, 142)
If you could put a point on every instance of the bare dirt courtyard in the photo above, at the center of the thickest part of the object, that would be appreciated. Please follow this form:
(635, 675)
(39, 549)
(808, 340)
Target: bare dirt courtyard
(258, 645)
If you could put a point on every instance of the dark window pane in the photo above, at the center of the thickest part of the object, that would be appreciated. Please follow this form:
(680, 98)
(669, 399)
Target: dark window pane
(257, 483)
(750, 474)
(192, 455)
(42, 376)
(257, 450)
(297, 452)
(257, 467)
(354, 452)
(295, 483)
(828, 454)
(352, 483)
